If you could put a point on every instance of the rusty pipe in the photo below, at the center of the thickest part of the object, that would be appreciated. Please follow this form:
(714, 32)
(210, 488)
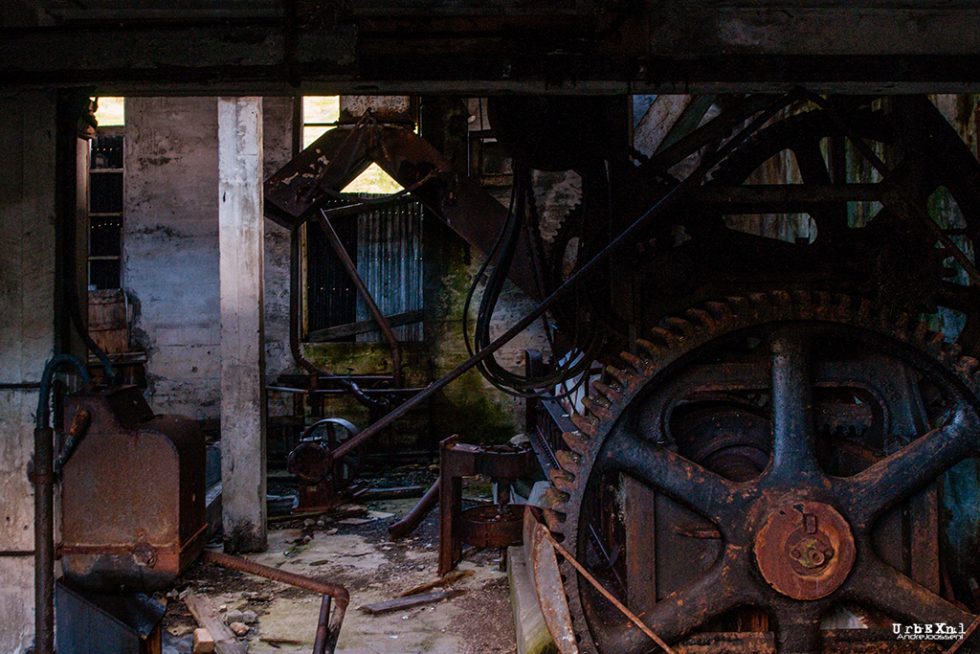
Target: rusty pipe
(322, 627)
(43, 478)
(355, 277)
(411, 520)
(328, 627)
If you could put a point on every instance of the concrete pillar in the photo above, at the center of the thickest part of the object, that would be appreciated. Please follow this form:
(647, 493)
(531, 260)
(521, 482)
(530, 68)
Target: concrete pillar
(241, 262)
(27, 240)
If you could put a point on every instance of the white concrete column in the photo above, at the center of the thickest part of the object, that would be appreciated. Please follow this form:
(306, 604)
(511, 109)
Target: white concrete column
(241, 260)
(27, 289)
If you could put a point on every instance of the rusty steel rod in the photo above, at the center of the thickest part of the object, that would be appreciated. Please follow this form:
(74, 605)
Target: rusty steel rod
(351, 268)
(605, 593)
(328, 626)
(411, 520)
(966, 636)
(665, 202)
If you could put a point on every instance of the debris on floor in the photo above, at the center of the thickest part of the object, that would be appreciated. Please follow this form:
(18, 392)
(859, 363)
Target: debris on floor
(472, 614)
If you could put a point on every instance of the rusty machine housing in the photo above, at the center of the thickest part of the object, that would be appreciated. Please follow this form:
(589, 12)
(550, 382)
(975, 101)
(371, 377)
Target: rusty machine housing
(132, 493)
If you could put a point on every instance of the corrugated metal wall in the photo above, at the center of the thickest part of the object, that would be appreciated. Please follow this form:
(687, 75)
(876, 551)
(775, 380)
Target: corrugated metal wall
(389, 260)
(386, 246)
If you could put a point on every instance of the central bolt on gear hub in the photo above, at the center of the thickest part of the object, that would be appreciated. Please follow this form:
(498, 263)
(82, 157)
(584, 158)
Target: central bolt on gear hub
(805, 550)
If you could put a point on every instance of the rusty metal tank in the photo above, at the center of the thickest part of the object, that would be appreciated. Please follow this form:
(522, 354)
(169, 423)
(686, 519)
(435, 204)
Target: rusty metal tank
(133, 501)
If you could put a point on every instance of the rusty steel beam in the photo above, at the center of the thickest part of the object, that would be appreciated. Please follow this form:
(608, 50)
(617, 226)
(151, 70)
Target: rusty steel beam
(317, 174)
(351, 268)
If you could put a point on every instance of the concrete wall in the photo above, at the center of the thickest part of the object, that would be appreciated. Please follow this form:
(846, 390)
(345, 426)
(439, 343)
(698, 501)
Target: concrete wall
(170, 267)
(170, 247)
(26, 336)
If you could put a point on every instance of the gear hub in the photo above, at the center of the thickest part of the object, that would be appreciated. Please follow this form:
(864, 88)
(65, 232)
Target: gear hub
(805, 550)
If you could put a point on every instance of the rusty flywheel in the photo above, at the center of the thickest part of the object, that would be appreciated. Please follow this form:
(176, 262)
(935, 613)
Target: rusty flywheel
(763, 472)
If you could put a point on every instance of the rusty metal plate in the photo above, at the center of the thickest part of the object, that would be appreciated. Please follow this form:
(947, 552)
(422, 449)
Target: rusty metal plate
(133, 494)
(548, 584)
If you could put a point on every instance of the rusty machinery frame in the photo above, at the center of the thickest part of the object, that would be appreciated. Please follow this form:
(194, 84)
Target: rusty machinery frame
(296, 191)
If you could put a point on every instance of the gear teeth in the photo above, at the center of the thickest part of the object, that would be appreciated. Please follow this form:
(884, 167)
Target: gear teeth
(665, 336)
(569, 461)
(738, 305)
(823, 298)
(864, 310)
(720, 311)
(586, 424)
(681, 327)
(554, 499)
(610, 392)
(576, 441)
(922, 333)
(619, 375)
(843, 302)
(555, 520)
(702, 318)
(936, 344)
(803, 303)
(652, 349)
(641, 366)
(562, 480)
(597, 407)
(967, 366)
(780, 299)
(900, 324)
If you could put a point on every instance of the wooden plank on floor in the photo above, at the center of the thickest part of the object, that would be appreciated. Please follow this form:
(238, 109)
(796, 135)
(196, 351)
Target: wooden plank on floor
(400, 603)
(203, 611)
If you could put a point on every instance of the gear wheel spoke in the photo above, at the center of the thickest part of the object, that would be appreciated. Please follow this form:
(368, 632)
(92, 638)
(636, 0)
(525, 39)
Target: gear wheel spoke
(900, 475)
(798, 629)
(685, 481)
(875, 583)
(724, 587)
(798, 538)
(792, 406)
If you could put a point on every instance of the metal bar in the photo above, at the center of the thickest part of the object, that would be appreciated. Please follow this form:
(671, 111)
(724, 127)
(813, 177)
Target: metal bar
(363, 326)
(355, 277)
(966, 636)
(800, 194)
(712, 131)
(632, 617)
(668, 200)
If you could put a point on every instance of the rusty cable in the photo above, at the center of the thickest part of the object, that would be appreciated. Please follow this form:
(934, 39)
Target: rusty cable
(605, 593)
(666, 201)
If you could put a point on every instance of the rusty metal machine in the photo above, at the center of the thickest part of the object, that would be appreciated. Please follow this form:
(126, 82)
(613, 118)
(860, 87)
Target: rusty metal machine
(498, 524)
(322, 479)
(132, 493)
(778, 451)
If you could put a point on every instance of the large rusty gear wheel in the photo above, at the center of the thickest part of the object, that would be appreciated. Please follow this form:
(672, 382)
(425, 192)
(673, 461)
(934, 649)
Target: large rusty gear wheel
(759, 521)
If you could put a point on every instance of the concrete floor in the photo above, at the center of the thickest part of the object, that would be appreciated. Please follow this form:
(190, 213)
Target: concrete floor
(373, 569)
